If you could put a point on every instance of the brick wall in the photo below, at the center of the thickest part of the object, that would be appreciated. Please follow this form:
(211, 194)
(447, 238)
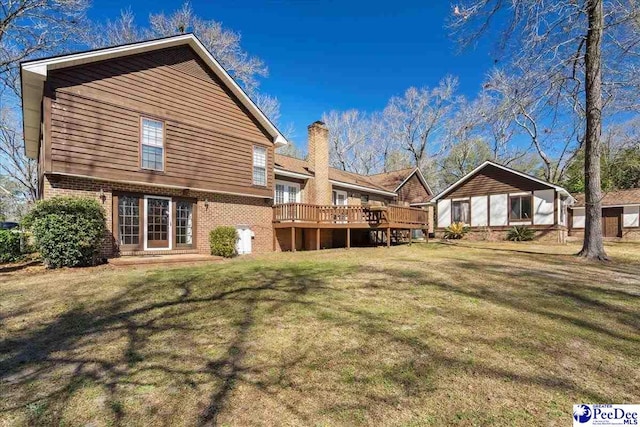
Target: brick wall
(222, 209)
(319, 187)
(556, 235)
(577, 234)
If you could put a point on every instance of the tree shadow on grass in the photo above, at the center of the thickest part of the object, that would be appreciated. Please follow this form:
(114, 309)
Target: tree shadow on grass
(233, 301)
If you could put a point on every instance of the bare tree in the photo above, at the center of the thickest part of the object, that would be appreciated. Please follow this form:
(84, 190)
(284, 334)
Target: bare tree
(532, 108)
(34, 27)
(562, 43)
(223, 43)
(415, 121)
(28, 29)
(13, 163)
(269, 105)
(351, 145)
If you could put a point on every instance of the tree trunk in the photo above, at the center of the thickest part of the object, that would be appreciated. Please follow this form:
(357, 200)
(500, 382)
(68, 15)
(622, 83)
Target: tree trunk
(593, 247)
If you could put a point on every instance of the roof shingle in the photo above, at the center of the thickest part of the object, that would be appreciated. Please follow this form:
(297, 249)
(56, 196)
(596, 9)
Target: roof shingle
(292, 164)
(614, 198)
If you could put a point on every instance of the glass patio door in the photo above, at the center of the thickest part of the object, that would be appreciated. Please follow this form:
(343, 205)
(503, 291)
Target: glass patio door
(158, 222)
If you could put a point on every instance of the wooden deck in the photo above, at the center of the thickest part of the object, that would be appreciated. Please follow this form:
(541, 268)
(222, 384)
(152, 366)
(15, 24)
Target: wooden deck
(385, 223)
(302, 215)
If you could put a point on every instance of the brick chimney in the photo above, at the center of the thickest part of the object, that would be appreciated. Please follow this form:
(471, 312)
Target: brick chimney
(320, 191)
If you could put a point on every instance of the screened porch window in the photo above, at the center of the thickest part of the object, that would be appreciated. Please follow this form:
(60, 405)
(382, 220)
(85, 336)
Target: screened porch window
(460, 211)
(520, 208)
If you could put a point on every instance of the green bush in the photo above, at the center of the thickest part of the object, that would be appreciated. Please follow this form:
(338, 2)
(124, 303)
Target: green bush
(68, 231)
(520, 233)
(457, 230)
(223, 241)
(10, 246)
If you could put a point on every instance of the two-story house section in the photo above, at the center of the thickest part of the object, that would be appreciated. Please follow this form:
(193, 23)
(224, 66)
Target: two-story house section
(161, 134)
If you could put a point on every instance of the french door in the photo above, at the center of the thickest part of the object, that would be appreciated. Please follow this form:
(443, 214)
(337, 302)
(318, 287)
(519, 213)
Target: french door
(158, 231)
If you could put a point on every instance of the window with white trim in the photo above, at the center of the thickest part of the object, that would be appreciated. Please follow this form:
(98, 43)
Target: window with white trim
(260, 166)
(152, 140)
(461, 211)
(286, 192)
(520, 208)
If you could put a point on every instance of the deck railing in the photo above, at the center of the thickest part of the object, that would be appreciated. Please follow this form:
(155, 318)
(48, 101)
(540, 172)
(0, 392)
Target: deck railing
(328, 214)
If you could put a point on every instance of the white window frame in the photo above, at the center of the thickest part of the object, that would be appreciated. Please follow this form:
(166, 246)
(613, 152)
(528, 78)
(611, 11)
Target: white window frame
(287, 185)
(465, 199)
(146, 226)
(142, 144)
(253, 170)
(334, 197)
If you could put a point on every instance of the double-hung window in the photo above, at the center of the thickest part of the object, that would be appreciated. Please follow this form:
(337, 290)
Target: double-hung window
(260, 166)
(520, 208)
(460, 211)
(152, 142)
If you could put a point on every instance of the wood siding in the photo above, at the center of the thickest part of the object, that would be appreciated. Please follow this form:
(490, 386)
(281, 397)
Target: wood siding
(493, 180)
(413, 191)
(94, 123)
(612, 222)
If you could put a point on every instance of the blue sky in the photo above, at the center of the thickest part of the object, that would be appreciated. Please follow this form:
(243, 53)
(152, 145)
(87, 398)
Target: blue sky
(336, 54)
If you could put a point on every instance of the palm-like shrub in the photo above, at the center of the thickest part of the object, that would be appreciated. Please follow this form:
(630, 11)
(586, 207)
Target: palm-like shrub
(520, 233)
(455, 231)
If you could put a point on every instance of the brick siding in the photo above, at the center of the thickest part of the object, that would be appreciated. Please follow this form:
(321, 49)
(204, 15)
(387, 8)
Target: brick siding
(222, 209)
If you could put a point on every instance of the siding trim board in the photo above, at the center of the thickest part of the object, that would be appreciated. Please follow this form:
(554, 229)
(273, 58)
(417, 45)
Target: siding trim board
(158, 185)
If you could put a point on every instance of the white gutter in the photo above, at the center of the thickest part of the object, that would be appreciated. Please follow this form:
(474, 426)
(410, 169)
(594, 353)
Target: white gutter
(362, 188)
(290, 174)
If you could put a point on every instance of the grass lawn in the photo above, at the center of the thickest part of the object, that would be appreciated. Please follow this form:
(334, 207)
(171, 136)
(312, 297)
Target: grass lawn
(432, 334)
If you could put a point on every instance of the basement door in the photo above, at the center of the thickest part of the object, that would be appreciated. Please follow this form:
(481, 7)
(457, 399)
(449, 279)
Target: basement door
(243, 245)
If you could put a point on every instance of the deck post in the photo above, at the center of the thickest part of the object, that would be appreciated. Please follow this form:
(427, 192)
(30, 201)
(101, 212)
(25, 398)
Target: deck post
(293, 239)
(410, 236)
(318, 239)
(348, 238)
(274, 238)
(388, 237)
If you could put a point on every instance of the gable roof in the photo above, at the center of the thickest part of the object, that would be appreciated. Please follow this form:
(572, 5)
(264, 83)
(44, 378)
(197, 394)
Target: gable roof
(396, 179)
(33, 74)
(630, 196)
(296, 168)
(508, 169)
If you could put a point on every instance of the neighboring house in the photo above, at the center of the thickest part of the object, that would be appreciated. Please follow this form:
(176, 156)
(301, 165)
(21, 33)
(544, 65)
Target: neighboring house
(620, 215)
(318, 206)
(493, 198)
(172, 147)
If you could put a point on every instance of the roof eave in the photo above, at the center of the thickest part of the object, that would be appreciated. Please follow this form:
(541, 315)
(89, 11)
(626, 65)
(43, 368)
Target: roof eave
(362, 187)
(489, 162)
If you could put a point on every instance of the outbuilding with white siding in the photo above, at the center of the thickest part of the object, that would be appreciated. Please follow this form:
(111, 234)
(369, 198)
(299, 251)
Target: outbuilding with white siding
(620, 215)
(493, 198)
